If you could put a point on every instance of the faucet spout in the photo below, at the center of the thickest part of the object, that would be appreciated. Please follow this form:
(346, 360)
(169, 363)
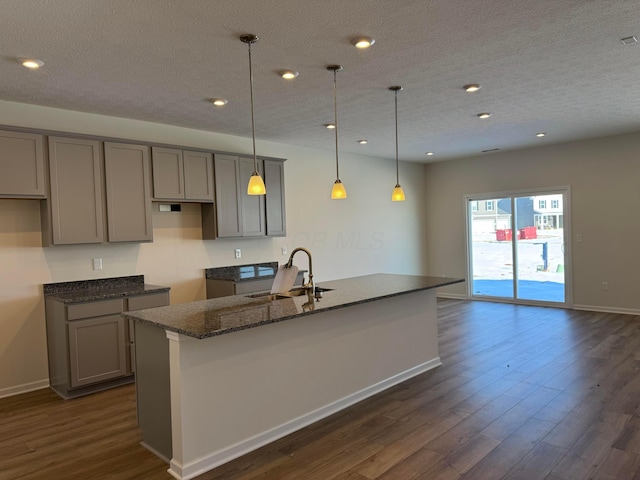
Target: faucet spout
(309, 285)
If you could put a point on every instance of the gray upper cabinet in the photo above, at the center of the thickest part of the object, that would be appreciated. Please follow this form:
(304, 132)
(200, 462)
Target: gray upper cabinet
(275, 211)
(76, 204)
(21, 165)
(228, 212)
(252, 206)
(237, 214)
(128, 187)
(182, 175)
(198, 176)
(86, 189)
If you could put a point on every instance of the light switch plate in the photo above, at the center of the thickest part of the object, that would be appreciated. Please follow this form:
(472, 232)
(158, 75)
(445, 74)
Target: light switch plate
(97, 264)
(238, 253)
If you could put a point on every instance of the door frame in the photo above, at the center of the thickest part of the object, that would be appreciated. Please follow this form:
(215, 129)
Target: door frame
(565, 191)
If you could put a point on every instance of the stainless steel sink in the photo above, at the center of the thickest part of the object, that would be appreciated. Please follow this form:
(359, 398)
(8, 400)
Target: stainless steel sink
(296, 292)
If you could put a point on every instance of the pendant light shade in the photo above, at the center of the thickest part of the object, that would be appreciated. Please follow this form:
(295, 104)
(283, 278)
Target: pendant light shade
(398, 192)
(338, 192)
(256, 184)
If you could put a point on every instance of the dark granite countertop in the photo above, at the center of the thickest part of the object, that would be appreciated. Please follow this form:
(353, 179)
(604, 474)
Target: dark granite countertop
(100, 289)
(219, 316)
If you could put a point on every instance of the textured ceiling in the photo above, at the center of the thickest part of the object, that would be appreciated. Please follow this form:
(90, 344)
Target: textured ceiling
(554, 66)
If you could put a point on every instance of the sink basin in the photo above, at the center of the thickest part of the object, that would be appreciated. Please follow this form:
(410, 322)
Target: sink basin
(296, 292)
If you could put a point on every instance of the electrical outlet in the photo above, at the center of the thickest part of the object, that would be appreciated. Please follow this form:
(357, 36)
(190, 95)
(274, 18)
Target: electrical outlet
(97, 264)
(579, 238)
(238, 253)
(283, 250)
(605, 286)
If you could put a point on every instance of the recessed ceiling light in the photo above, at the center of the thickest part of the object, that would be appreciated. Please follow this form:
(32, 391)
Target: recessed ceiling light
(219, 102)
(363, 42)
(629, 40)
(32, 63)
(362, 142)
(541, 134)
(330, 125)
(429, 154)
(289, 74)
(483, 115)
(474, 87)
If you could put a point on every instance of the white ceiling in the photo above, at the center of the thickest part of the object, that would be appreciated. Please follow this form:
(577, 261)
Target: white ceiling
(555, 66)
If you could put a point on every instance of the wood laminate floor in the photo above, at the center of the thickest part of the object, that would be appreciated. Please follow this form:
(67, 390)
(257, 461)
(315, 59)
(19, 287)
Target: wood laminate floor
(524, 393)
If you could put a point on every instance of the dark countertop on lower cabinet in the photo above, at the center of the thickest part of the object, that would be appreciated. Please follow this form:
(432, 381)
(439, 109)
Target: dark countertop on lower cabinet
(100, 289)
(219, 316)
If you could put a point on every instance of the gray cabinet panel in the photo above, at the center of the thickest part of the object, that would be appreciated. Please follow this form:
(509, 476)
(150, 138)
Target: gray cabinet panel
(198, 175)
(21, 165)
(77, 311)
(96, 350)
(168, 173)
(275, 202)
(75, 168)
(127, 182)
(228, 212)
(253, 214)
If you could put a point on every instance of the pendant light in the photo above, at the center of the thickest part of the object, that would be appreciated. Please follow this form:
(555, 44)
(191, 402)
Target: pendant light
(256, 184)
(398, 193)
(338, 191)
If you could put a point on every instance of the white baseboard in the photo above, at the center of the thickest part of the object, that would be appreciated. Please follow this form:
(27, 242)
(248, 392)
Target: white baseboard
(596, 308)
(453, 296)
(205, 464)
(24, 388)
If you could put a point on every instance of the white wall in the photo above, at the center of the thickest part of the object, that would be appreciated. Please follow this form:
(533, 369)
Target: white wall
(605, 200)
(366, 233)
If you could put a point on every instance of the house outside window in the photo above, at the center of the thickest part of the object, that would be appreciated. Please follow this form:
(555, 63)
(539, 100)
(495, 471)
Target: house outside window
(489, 204)
(542, 204)
(474, 206)
(554, 204)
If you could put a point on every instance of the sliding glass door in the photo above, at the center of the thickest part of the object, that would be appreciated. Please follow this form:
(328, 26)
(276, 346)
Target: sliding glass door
(517, 246)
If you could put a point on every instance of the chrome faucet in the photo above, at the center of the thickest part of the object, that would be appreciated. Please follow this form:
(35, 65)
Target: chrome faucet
(309, 286)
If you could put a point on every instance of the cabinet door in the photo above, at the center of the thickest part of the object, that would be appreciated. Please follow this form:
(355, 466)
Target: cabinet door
(275, 205)
(21, 165)
(127, 182)
(198, 175)
(228, 212)
(75, 170)
(253, 219)
(168, 173)
(96, 349)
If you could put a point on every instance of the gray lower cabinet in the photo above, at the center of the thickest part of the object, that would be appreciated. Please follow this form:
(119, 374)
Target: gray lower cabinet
(97, 350)
(22, 165)
(237, 214)
(182, 175)
(91, 347)
(89, 205)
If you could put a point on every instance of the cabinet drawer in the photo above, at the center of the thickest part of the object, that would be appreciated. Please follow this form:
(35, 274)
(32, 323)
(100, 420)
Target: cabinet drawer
(95, 309)
(140, 302)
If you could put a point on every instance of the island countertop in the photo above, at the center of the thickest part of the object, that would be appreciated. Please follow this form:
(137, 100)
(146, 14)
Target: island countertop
(219, 316)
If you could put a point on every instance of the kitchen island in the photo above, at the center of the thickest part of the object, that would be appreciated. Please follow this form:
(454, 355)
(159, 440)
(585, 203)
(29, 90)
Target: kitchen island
(219, 378)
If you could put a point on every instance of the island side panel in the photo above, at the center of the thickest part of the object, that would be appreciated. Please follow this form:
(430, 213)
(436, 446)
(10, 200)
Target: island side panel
(234, 393)
(153, 393)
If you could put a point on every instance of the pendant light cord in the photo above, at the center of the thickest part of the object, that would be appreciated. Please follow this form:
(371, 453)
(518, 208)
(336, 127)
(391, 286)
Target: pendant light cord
(253, 122)
(335, 119)
(397, 169)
